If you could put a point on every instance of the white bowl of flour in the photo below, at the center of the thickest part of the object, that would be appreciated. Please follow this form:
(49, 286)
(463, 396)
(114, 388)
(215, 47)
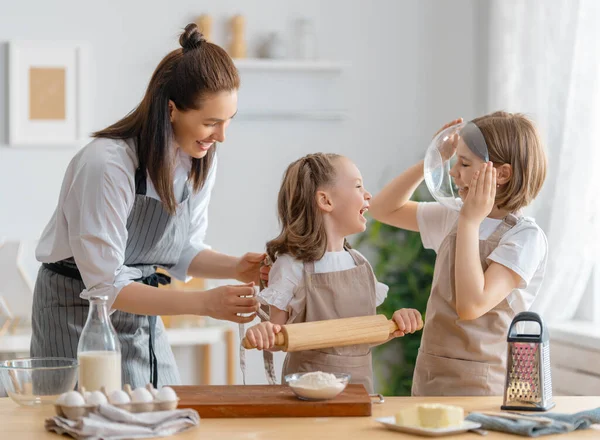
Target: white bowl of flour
(317, 385)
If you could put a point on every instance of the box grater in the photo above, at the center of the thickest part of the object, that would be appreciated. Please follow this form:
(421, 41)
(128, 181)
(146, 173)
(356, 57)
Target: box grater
(528, 380)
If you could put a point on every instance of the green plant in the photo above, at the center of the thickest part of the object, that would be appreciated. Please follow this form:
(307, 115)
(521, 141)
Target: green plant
(400, 261)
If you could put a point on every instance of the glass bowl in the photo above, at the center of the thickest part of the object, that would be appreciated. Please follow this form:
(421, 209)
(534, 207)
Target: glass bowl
(318, 389)
(38, 381)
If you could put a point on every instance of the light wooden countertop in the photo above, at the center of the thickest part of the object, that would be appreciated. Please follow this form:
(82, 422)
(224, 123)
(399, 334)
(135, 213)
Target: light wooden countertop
(23, 423)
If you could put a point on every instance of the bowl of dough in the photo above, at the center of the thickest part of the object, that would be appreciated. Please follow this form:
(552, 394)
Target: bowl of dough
(317, 385)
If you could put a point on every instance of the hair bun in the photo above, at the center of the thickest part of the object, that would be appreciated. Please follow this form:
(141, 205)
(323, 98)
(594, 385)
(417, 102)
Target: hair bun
(191, 38)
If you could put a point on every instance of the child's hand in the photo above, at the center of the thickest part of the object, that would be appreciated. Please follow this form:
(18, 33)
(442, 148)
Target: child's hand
(408, 321)
(262, 335)
(482, 194)
(448, 125)
(448, 147)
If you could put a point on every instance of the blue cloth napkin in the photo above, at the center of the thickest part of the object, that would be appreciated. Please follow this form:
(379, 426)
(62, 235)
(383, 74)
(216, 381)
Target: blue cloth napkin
(561, 423)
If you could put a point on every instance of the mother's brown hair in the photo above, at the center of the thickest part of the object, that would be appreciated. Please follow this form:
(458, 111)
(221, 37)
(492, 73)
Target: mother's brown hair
(186, 76)
(303, 233)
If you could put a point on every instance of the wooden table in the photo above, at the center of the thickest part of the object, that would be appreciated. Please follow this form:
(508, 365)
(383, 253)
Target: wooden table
(27, 423)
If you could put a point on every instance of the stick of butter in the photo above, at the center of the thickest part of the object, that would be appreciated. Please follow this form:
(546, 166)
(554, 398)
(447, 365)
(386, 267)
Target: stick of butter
(409, 416)
(432, 415)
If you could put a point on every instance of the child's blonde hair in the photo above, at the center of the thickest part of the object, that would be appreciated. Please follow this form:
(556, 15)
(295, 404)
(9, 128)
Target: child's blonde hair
(302, 227)
(513, 139)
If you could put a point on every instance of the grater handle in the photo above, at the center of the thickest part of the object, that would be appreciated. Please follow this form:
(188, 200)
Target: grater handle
(527, 317)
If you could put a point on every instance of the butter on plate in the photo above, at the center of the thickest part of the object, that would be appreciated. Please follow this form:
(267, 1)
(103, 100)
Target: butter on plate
(431, 415)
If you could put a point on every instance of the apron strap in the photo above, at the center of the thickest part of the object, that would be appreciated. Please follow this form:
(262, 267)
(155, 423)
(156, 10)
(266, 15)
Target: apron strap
(154, 280)
(64, 270)
(141, 184)
(309, 267)
(263, 314)
(356, 257)
(153, 360)
(140, 180)
(507, 224)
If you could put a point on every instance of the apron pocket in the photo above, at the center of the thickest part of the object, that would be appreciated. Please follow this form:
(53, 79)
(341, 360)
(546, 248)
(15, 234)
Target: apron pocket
(443, 376)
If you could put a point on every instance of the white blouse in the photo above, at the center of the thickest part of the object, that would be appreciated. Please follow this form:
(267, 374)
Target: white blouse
(286, 274)
(96, 198)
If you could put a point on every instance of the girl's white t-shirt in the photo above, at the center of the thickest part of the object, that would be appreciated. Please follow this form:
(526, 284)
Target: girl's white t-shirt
(286, 274)
(523, 249)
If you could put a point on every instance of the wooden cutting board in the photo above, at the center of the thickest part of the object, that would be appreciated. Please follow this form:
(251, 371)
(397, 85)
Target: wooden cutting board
(219, 401)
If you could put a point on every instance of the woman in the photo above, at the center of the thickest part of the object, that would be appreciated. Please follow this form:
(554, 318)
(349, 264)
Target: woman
(134, 199)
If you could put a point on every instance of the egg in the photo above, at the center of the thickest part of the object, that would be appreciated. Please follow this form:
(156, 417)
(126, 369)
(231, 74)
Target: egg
(118, 397)
(141, 395)
(166, 394)
(73, 398)
(96, 398)
(61, 399)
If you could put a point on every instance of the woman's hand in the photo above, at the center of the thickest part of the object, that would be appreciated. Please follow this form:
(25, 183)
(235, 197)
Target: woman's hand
(227, 302)
(247, 268)
(264, 274)
(262, 336)
(481, 196)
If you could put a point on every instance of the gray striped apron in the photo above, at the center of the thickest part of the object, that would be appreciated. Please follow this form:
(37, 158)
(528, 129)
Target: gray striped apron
(155, 238)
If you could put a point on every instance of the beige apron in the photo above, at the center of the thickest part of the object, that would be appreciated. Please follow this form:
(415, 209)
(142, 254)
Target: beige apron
(341, 294)
(462, 358)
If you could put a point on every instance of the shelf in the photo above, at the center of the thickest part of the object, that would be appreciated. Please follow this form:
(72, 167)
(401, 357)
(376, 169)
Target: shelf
(288, 65)
(292, 115)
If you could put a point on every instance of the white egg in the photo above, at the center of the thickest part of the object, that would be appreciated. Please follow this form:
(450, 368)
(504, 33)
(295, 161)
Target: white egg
(119, 397)
(96, 398)
(73, 398)
(140, 395)
(166, 394)
(61, 399)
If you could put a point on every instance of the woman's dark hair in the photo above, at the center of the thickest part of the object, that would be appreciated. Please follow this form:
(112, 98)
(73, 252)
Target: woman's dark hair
(185, 76)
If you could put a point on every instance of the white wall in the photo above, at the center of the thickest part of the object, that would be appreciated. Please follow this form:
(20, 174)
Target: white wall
(414, 65)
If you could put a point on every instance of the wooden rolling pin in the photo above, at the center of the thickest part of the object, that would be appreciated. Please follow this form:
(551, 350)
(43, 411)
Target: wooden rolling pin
(332, 333)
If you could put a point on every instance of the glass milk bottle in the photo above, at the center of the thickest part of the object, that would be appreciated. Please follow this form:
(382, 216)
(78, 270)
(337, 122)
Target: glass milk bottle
(99, 350)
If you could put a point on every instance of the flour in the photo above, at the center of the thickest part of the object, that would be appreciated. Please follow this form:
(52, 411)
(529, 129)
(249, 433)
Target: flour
(318, 379)
(318, 385)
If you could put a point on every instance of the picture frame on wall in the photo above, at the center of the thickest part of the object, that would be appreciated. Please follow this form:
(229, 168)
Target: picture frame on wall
(47, 93)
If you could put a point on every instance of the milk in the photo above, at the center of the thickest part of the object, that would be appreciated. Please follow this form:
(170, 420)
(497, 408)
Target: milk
(100, 369)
